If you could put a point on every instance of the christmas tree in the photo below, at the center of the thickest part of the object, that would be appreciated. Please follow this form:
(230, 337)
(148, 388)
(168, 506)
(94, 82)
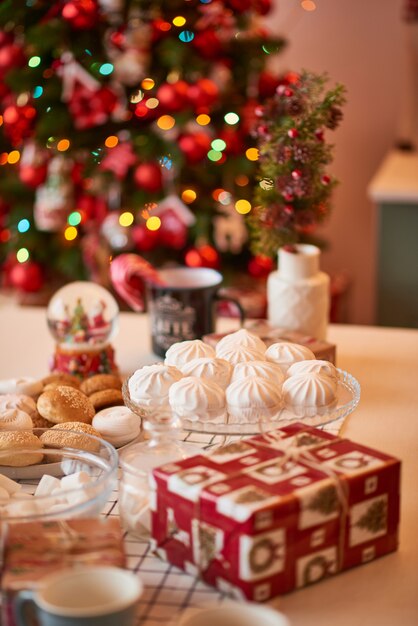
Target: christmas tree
(294, 192)
(127, 126)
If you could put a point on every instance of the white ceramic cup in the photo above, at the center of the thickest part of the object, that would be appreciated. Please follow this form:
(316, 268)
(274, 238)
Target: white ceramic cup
(90, 596)
(234, 614)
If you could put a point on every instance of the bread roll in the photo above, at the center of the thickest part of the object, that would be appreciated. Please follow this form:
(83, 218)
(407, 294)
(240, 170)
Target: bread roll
(12, 442)
(100, 382)
(71, 435)
(65, 404)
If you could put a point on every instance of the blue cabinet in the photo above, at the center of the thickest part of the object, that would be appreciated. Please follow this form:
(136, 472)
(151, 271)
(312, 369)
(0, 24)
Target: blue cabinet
(394, 190)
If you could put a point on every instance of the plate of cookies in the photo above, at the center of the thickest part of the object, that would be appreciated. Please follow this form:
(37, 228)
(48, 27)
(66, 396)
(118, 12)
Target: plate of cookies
(60, 402)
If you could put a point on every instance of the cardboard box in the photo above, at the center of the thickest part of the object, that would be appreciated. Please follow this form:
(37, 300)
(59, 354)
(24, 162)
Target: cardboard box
(34, 549)
(263, 516)
(273, 334)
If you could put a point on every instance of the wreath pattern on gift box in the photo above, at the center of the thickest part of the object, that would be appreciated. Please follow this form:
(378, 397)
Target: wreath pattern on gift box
(320, 562)
(268, 550)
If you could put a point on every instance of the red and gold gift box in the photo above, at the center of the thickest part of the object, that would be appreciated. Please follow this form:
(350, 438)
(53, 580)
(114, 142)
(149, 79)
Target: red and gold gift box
(273, 513)
(273, 334)
(34, 549)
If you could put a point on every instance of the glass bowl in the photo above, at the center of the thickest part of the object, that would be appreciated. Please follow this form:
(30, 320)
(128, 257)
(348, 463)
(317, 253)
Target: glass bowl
(69, 482)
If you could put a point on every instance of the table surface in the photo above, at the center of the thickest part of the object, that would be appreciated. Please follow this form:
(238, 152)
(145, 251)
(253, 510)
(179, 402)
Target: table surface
(385, 362)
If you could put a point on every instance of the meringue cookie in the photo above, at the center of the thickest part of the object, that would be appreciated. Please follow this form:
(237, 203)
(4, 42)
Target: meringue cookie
(241, 337)
(13, 419)
(217, 370)
(309, 394)
(284, 353)
(17, 401)
(252, 399)
(149, 385)
(238, 354)
(180, 353)
(265, 369)
(24, 385)
(326, 368)
(117, 424)
(197, 399)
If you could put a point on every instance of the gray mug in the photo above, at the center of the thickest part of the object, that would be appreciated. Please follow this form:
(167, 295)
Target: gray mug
(88, 596)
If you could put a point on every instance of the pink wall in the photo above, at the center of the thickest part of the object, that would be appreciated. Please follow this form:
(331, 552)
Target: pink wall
(359, 43)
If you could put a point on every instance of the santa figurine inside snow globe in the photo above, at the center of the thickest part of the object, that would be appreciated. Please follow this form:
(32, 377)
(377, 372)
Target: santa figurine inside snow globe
(83, 318)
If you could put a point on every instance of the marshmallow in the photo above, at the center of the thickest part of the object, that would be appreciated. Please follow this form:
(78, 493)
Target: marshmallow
(243, 338)
(284, 353)
(74, 481)
(47, 485)
(182, 352)
(21, 508)
(4, 495)
(10, 485)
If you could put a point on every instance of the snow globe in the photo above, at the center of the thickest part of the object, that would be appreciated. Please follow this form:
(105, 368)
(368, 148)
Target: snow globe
(83, 318)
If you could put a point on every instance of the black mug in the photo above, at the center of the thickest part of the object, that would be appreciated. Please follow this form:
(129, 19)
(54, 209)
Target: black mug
(183, 307)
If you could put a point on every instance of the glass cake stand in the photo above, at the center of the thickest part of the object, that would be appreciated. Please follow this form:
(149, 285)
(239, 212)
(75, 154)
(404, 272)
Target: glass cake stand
(348, 397)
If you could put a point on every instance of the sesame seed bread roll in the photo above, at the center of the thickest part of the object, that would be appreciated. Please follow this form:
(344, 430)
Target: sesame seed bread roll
(65, 404)
(13, 441)
(71, 435)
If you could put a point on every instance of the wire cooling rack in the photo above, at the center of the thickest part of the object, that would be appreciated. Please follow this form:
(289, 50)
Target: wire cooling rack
(168, 590)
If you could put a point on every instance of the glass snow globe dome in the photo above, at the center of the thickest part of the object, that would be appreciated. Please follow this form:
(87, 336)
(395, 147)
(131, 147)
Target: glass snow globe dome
(83, 314)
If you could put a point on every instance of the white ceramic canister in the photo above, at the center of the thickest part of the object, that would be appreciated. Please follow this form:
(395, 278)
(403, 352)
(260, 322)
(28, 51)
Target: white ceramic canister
(298, 293)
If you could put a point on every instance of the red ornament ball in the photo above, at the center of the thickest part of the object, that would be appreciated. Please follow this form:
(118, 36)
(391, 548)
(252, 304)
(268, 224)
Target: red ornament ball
(80, 14)
(148, 176)
(145, 239)
(170, 97)
(260, 266)
(11, 55)
(26, 277)
(33, 175)
(173, 231)
(202, 256)
(194, 146)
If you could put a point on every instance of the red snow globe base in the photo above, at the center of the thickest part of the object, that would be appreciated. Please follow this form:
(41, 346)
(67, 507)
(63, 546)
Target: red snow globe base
(82, 318)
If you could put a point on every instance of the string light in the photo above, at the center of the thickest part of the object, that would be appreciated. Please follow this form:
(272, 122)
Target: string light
(186, 36)
(188, 196)
(147, 84)
(203, 119)
(34, 61)
(126, 219)
(13, 157)
(63, 145)
(70, 233)
(74, 218)
(216, 193)
(22, 255)
(225, 198)
(252, 154)
(179, 21)
(242, 206)
(136, 96)
(231, 118)
(106, 69)
(166, 122)
(111, 141)
(242, 180)
(1, 120)
(3, 158)
(214, 155)
(218, 145)
(23, 225)
(153, 222)
(152, 103)
(38, 91)
(5, 235)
